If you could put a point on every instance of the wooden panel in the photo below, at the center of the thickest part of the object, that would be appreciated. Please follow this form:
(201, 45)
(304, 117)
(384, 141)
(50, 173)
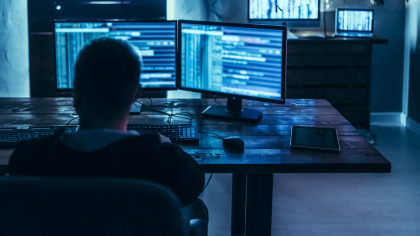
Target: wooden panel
(267, 110)
(301, 60)
(302, 77)
(313, 93)
(354, 114)
(346, 76)
(321, 46)
(345, 95)
(18, 102)
(45, 86)
(285, 161)
(24, 120)
(266, 141)
(341, 47)
(347, 60)
(318, 60)
(272, 142)
(270, 130)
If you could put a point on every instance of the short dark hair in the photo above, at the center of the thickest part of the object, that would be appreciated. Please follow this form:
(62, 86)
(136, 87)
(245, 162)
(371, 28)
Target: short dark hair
(107, 74)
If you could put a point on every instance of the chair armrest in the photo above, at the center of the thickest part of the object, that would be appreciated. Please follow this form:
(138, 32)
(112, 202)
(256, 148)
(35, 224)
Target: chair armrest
(198, 227)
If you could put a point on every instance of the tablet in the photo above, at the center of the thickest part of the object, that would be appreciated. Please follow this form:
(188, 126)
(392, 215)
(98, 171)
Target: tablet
(314, 138)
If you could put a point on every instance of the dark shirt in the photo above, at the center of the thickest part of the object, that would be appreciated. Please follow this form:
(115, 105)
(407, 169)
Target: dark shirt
(131, 156)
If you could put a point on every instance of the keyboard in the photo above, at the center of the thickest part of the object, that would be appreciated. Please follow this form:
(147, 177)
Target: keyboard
(9, 137)
(176, 133)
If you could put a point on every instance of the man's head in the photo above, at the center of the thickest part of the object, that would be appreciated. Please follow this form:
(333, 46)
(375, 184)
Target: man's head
(106, 80)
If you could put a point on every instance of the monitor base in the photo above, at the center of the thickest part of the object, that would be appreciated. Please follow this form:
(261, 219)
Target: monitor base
(135, 108)
(221, 112)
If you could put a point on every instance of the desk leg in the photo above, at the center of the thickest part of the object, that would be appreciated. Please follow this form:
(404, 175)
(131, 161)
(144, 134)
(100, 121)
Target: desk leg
(238, 204)
(259, 200)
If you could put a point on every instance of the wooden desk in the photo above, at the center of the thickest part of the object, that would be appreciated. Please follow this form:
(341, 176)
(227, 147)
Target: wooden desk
(266, 146)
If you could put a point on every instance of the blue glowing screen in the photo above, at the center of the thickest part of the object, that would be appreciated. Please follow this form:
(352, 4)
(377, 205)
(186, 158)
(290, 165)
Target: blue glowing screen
(284, 9)
(355, 20)
(233, 60)
(155, 41)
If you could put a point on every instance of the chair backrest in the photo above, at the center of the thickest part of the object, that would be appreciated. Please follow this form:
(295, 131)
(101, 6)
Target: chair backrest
(59, 206)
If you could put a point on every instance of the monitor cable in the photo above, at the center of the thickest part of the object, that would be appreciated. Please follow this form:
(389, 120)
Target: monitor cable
(74, 117)
(182, 115)
(208, 181)
(211, 134)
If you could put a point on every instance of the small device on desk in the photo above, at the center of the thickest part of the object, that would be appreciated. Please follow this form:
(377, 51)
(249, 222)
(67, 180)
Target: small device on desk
(234, 142)
(353, 22)
(237, 61)
(314, 138)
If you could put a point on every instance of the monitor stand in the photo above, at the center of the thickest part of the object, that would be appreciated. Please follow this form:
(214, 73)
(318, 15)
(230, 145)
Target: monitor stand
(135, 108)
(233, 110)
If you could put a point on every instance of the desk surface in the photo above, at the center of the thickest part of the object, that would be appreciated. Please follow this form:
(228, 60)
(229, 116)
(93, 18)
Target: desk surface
(266, 141)
(305, 35)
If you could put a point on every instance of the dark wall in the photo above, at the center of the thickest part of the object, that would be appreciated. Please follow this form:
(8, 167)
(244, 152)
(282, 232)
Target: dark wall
(41, 15)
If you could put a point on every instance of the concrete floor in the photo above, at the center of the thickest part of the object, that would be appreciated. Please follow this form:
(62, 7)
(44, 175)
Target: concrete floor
(339, 204)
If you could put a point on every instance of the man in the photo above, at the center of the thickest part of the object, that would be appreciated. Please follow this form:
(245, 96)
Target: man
(106, 84)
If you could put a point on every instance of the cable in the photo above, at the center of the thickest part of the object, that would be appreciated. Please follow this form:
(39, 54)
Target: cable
(218, 16)
(211, 134)
(72, 120)
(208, 181)
(170, 115)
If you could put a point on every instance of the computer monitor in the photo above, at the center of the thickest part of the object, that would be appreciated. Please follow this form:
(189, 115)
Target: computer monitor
(238, 61)
(156, 40)
(293, 13)
(354, 20)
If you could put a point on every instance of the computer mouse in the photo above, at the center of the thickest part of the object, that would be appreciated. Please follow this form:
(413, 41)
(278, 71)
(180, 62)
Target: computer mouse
(234, 142)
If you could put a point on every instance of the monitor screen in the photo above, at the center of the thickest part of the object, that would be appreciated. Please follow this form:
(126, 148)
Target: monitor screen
(283, 10)
(233, 59)
(354, 20)
(155, 40)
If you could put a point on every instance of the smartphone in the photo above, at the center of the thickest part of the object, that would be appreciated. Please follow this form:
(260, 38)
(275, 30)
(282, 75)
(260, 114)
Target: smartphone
(314, 138)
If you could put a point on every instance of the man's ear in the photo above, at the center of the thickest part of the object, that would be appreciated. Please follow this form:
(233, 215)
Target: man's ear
(137, 93)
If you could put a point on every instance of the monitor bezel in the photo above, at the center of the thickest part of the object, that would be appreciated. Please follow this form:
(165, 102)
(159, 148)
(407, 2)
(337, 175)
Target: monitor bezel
(353, 9)
(114, 20)
(283, 63)
(310, 22)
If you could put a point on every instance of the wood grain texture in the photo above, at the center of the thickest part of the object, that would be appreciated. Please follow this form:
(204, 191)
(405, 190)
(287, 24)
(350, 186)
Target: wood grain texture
(267, 148)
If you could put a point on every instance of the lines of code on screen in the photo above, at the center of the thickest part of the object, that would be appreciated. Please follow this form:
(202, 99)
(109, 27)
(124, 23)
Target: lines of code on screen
(234, 60)
(283, 9)
(155, 41)
(353, 20)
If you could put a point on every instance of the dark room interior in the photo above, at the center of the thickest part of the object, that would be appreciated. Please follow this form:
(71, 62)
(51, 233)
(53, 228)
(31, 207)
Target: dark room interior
(210, 117)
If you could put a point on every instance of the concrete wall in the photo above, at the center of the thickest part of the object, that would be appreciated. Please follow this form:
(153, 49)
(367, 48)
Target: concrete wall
(387, 59)
(14, 58)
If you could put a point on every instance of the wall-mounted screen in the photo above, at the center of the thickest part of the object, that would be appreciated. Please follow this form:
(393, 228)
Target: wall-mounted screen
(283, 9)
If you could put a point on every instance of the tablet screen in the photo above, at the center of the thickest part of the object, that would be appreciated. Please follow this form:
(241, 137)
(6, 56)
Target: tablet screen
(314, 137)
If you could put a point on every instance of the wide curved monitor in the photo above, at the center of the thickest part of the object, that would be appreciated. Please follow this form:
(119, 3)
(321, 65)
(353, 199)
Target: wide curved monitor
(294, 13)
(233, 60)
(156, 40)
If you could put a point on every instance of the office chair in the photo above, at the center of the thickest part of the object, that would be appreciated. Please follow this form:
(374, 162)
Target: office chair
(61, 206)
